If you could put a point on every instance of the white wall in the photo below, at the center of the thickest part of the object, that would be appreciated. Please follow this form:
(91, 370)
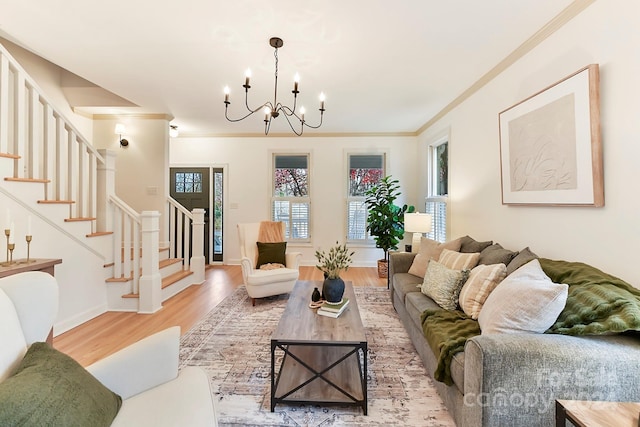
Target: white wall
(248, 181)
(48, 77)
(142, 167)
(605, 33)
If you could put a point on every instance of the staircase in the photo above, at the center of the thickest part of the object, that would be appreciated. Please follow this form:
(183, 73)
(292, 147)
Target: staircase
(49, 171)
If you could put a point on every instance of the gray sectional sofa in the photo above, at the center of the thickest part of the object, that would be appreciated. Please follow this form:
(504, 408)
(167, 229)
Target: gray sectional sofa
(514, 379)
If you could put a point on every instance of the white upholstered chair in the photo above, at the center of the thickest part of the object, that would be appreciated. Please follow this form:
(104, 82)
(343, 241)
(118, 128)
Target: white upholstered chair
(145, 374)
(264, 283)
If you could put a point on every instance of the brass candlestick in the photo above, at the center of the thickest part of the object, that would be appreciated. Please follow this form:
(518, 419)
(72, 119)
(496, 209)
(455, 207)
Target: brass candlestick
(11, 247)
(28, 238)
(7, 232)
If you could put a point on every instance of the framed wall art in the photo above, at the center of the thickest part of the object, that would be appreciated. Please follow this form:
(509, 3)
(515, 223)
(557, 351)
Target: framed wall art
(550, 145)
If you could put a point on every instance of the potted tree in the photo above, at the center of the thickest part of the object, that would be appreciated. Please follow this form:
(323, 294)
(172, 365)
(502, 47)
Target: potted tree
(385, 220)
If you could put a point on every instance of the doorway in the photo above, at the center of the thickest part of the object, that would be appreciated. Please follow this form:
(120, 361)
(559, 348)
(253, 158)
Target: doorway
(203, 187)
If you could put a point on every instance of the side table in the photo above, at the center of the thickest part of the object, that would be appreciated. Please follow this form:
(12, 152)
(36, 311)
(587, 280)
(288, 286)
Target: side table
(583, 413)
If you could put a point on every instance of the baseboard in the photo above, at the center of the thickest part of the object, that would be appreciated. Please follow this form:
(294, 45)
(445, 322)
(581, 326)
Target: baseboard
(68, 324)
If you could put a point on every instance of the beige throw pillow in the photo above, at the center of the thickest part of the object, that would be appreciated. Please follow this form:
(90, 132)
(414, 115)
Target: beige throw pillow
(527, 301)
(430, 249)
(457, 260)
(482, 280)
(442, 284)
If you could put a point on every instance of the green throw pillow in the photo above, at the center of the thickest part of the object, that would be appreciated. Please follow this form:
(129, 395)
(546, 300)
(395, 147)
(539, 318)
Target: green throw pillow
(51, 389)
(271, 253)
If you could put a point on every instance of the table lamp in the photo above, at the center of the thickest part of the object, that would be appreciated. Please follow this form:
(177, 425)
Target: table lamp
(417, 223)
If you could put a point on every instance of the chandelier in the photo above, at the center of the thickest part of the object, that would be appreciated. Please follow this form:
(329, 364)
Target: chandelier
(274, 109)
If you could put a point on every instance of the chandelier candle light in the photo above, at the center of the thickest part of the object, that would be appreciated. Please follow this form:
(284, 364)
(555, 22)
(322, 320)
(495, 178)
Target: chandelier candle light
(273, 109)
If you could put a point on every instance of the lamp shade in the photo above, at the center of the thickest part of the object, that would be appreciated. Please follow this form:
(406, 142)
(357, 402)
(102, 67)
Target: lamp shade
(417, 222)
(120, 129)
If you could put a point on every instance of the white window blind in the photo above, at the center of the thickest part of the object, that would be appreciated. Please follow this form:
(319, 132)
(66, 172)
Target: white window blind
(290, 201)
(437, 208)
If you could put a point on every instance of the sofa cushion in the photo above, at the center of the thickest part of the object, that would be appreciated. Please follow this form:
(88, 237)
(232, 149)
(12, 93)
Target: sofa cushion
(526, 301)
(430, 249)
(271, 253)
(523, 257)
(50, 388)
(443, 284)
(458, 260)
(469, 244)
(14, 345)
(185, 401)
(482, 280)
(404, 283)
(457, 370)
(496, 254)
(416, 303)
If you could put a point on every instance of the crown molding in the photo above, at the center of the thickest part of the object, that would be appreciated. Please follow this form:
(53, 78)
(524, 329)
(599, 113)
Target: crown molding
(292, 135)
(542, 34)
(139, 116)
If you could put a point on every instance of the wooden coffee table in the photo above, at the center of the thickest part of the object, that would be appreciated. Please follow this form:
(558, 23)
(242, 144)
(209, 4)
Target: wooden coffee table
(321, 360)
(583, 413)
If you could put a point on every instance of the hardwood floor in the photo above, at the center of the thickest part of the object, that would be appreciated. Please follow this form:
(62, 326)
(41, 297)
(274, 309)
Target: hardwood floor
(113, 331)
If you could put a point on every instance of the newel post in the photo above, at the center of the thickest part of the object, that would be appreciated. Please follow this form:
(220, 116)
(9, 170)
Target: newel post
(106, 186)
(150, 280)
(197, 246)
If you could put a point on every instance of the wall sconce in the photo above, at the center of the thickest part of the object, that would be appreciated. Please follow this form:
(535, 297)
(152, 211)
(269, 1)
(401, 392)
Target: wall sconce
(120, 129)
(173, 131)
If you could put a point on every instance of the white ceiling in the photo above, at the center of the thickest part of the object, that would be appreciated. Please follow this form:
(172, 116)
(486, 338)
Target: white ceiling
(384, 66)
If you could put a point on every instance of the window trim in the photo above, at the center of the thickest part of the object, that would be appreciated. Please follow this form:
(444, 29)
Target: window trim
(368, 241)
(291, 199)
(432, 182)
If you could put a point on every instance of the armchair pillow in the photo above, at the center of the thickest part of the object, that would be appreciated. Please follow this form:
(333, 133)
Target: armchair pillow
(50, 388)
(430, 249)
(271, 253)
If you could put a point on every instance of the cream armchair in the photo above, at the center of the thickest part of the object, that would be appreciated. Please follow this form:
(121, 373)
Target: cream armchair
(264, 283)
(144, 374)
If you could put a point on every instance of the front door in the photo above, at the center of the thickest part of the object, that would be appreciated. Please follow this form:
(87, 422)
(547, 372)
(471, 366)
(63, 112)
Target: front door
(190, 188)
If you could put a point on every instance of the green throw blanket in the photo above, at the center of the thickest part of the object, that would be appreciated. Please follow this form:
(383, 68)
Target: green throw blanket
(447, 332)
(598, 303)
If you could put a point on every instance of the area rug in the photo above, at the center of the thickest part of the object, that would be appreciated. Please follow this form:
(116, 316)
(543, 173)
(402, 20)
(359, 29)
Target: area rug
(232, 344)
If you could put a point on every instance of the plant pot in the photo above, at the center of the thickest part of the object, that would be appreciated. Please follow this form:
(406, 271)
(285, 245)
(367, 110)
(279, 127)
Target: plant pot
(383, 268)
(333, 290)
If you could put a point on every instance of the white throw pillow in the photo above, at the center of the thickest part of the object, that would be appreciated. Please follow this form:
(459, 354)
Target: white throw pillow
(13, 344)
(526, 301)
(483, 279)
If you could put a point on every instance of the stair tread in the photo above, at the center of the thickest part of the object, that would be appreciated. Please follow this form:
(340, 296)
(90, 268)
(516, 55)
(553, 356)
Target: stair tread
(56, 202)
(100, 233)
(161, 264)
(167, 281)
(79, 219)
(9, 156)
(37, 180)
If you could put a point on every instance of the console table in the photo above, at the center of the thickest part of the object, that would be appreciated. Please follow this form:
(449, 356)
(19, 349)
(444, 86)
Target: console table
(34, 264)
(20, 266)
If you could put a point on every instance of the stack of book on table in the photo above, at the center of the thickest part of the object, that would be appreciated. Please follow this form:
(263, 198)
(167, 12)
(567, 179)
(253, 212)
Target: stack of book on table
(333, 310)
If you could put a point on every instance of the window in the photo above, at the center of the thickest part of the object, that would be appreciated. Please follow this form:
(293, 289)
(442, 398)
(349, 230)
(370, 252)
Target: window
(365, 171)
(188, 182)
(290, 200)
(436, 202)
